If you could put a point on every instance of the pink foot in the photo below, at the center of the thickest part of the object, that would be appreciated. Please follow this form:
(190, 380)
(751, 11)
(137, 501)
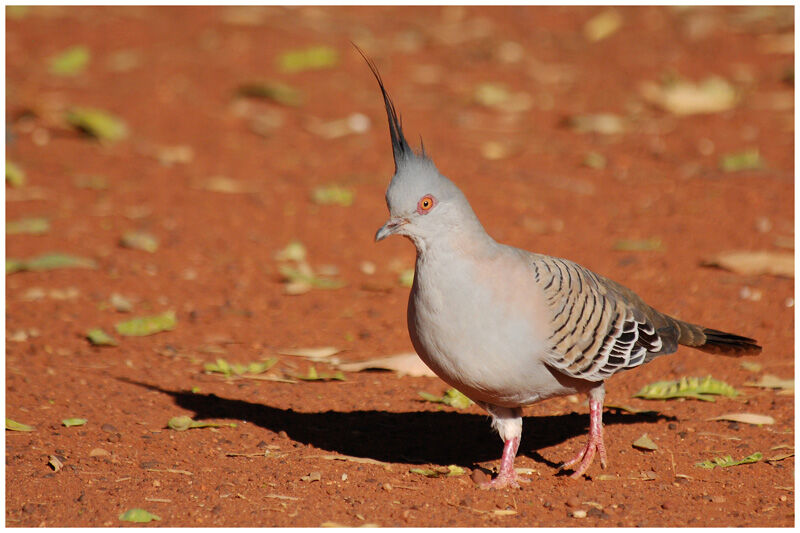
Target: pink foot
(507, 475)
(595, 444)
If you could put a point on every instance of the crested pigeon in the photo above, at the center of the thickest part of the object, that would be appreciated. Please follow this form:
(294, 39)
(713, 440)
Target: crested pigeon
(508, 327)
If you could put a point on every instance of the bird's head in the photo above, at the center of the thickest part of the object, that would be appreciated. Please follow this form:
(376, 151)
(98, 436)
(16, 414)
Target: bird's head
(423, 204)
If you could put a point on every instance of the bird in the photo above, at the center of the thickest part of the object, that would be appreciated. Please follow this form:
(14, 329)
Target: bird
(508, 327)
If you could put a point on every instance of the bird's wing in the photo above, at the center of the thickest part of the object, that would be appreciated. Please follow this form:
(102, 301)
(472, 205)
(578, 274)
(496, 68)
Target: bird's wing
(597, 326)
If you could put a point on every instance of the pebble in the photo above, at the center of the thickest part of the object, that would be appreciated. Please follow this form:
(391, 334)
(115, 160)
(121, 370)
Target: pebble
(573, 501)
(579, 513)
(479, 476)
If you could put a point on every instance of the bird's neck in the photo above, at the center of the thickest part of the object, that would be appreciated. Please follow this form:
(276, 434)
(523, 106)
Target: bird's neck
(465, 239)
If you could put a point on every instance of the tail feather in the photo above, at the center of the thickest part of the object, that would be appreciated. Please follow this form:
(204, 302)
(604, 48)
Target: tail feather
(720, 342)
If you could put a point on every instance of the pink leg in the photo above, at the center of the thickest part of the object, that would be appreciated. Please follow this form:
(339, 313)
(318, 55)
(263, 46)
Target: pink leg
(507, 475)
(595, 443)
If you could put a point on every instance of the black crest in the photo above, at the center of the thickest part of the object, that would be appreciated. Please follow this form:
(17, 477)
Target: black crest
(400, 146)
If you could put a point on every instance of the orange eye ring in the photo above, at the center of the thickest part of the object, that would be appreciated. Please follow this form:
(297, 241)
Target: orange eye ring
(425, 204)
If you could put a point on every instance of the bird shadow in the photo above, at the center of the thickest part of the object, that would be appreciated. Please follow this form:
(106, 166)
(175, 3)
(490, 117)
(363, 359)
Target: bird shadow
(421, 437)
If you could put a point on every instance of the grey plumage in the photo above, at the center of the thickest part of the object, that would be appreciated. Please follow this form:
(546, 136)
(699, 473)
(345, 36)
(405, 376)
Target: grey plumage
(508, 327)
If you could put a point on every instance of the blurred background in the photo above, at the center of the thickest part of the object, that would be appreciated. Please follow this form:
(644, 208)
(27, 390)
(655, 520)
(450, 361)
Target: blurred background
(223, 169)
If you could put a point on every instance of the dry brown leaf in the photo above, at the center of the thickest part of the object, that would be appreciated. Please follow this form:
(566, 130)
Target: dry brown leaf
(752, 263)
(769, 381)
(323, 353)
(406, 364)
(746, 418)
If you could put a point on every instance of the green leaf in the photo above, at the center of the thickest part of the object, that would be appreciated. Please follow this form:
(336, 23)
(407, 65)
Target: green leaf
(15, 176)
(182, 423)
(406, 277)
(98, 337)
(147, 325)
(139, 240)
(295, 275)
(31, 225)
(697, 388)
(332, 195)
(645, 443)
(313, 375)
(138, 515)
(427, 472)
(277, 92)
(451, 397)
(724, 462)
(69, 422)
(49, 261)
(13, 425)
(97, 123)
(294, 251)
(221, 366)
(595, 160)
(746, 160)
(70, 62)
(313, 58)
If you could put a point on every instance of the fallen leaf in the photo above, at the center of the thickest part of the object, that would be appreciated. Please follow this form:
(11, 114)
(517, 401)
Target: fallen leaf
(13, 425)
(769, 381)
(750, 263)
(595, 160)
(747, 160)
(313, 375)
(427, 472)
(147, 325)
(70, 62)
(55, 463)
(120, 303)
(50, 261)
(407, 364)
(139, 240)
(746, 418)
(323, 353)
(138, 515)
(182, 423)
(313, 58)
(451, 397)
(280, 93)
(780, 457)
(751, 366)
(681, 97)
(406, 277)
(645, 443)
(602, 123)
(31, 225)
(223, 184)
(641, 245)
(294, 251)
(603, 25)
(69, 422)
(221, 366)
(332, 195)
(91, 181)
(15, 176)
(97, 123)
(98, 337)
(724, 462)
(305, 278)
(697, 388)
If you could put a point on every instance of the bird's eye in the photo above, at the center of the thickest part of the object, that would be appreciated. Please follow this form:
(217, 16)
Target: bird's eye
(425, 204)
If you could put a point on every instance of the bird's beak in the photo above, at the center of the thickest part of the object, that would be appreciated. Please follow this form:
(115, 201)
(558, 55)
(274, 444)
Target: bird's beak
(390, 228)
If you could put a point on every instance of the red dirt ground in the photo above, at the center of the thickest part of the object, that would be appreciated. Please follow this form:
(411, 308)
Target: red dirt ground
(215, 265)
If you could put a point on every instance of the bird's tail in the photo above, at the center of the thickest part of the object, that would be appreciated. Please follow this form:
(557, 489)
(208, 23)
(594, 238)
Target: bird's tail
(715, 341)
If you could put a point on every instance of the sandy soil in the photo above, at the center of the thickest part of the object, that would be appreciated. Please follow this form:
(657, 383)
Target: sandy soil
(172, 73)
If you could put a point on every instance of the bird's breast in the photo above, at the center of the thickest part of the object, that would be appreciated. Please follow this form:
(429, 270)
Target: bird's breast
(480, 324)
